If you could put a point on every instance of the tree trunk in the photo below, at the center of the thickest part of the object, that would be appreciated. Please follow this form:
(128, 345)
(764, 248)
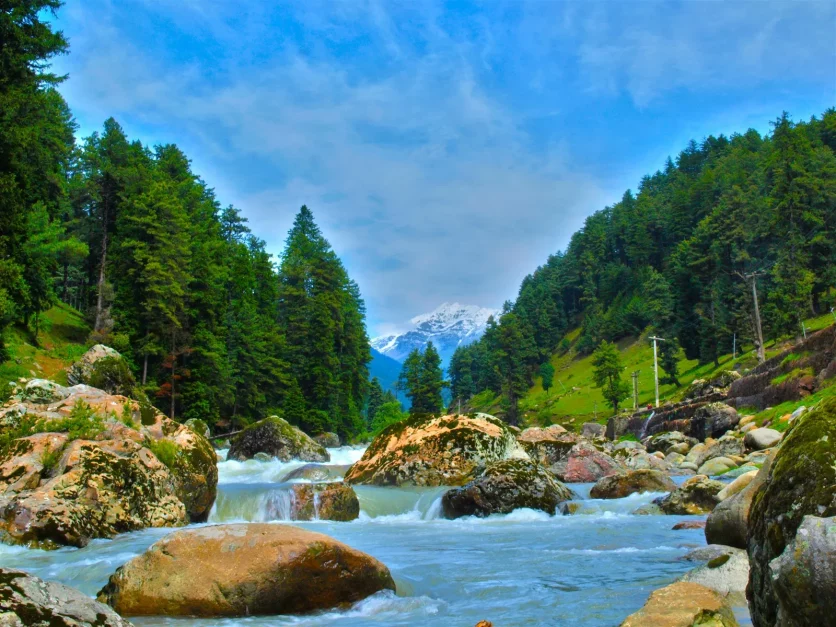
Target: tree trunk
(66, 282)
(100, 297)
(144, 369)
(173, 371)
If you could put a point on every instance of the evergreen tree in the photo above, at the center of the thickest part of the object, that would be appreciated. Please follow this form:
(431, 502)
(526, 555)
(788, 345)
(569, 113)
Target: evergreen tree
(607, 371)
(422, 381)
(547, 375)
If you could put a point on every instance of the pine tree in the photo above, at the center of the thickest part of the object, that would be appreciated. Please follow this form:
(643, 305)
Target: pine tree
(547, 375)
(607, 371)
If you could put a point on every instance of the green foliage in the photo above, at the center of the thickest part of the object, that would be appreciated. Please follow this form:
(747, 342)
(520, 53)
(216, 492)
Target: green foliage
(50, 458)
(164, 450)
(386, 415)
(607, 373)
(83, 423)
(628, 437)
(422, 381)
(547, 376)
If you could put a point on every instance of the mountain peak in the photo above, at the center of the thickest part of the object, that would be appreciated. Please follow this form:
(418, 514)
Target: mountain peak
(448, 326)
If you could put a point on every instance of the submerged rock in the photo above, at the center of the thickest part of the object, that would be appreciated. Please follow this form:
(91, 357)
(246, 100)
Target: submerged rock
(698, 495)
(244, 569)
(316, 472)
(277, 438)
(800, 481)
(804, 575)
(103, 465)
(626, 483)
(328, 440)
(324, 501)
(505, 486)
(28, 601)
(427, 451)
(683, 604)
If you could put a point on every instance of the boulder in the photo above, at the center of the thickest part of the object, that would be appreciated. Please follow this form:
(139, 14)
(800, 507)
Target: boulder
(716, 466)
(727, 446)
(324, 501)
(427, 451)
(101, 464)
(243, 569)
(199, 427)
(327, 440)
(698, 495)
(726, 574)
(593, 430)
(28, 601)
(585, 464)
(689, 524)
(547, 446)
(763, 438)
(737, 485)
(666, 441)
(104, 368)
(706, 553)
(804, 575)
(713, 420)
(683, 604)
(505, 486)
(638, 459)
(800, 481)
(277, 438)
(728, 523)
(626, 483)
(316, 473)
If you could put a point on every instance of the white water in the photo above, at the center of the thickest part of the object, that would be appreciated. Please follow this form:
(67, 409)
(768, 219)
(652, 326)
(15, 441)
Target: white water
(525, 568)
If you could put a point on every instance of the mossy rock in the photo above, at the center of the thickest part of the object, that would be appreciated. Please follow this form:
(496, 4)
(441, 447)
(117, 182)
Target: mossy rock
(277, 438)
(505, 486)
(800, 481)
(199, 427)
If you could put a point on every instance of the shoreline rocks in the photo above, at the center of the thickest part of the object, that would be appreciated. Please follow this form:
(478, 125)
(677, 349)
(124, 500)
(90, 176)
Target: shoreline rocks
(683, 604)
(28, 601)
(698, 495)
(505, 486)
(324, 501)
(435, 451)
(277, 438)
(626, 483)
(244, 569)
(585, 464)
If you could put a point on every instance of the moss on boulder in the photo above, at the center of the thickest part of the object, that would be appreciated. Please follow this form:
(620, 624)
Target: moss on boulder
(505, 486)
(626, 483)
(698, 495)
(433, 451)
(277, 438)
(800, 481)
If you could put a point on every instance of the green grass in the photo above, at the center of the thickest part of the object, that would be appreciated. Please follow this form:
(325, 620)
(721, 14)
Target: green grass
(573, 398)
(164, 450)
(774, 414)
(61, 340)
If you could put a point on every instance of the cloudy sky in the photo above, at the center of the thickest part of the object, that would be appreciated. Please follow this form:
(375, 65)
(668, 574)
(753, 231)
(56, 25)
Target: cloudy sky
(446, 149)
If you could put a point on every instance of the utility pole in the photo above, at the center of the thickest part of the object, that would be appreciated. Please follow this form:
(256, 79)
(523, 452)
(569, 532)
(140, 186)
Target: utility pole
(656, 365)
(635, 376)
(752, 276)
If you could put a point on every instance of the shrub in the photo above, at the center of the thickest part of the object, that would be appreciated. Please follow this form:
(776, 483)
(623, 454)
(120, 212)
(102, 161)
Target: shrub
(83, 423)
(50, 458)
(164, 450)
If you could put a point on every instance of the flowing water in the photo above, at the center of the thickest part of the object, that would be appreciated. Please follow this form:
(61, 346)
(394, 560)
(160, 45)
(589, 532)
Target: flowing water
(525, 568)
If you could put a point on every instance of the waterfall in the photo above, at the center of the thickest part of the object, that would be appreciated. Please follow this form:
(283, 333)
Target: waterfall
(646, 422)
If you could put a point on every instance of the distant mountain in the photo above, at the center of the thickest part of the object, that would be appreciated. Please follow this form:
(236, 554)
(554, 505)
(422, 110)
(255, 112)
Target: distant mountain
(385, 369)
(449, 326)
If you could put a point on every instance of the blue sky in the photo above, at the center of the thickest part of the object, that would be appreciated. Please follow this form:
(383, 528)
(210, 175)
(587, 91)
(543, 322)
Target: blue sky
(446, 149)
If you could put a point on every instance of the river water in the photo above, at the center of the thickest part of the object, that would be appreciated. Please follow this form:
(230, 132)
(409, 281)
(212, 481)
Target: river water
(525, 568)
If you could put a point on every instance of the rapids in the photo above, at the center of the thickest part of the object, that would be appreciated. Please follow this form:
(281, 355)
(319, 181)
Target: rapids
(525, 568)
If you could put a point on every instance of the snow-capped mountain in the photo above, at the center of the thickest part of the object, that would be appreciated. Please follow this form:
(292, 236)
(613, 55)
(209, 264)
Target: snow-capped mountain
(449, 326)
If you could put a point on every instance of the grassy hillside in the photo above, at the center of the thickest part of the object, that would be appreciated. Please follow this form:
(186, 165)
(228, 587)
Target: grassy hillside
(573, 398)
(61, 341)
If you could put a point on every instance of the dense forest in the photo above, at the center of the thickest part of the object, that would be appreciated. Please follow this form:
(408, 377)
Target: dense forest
(130, 235)
(682, 257)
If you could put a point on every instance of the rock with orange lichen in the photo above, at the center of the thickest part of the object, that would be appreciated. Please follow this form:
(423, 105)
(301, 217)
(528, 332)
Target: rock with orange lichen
(433, 451)
(244, 569)
(78, 463)
(683, 604)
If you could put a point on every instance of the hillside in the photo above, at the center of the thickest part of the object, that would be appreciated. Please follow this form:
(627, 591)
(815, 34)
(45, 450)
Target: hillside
(574, 400)
(61, 340)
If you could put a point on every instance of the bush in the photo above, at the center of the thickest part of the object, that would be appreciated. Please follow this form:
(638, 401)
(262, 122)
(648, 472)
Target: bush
(50, 459)
(112, 375)
(83, 423)
(386, 415)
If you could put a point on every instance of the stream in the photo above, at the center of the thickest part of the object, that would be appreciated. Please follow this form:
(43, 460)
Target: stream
(525, 568)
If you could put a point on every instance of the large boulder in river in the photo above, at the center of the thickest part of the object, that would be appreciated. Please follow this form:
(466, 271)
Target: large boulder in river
(727, 574)
(324, 501)
(698, 495)
(626, 483)
(505, 486)
(683, 604)
(804, 575)
(799, 482)
(92, 465)
(760, 439)
(277, 438)
(427, 451)
(728, 523)
(548, 445)
(241, 570)
(28, 601)
(328, 440)
(585, 464)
